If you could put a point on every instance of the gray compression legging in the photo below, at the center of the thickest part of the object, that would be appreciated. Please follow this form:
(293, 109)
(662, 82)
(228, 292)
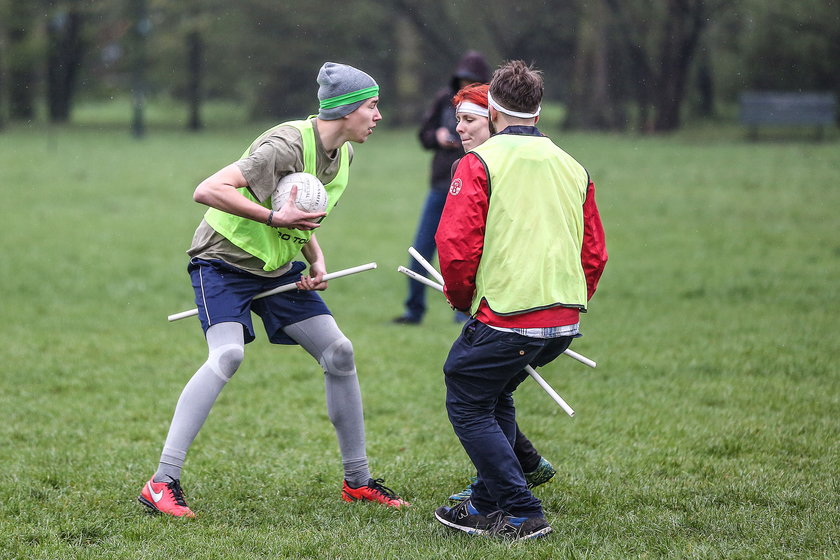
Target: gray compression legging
(321, 337)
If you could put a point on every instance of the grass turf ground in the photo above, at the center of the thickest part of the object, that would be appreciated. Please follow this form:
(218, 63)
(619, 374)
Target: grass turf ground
(709, 430)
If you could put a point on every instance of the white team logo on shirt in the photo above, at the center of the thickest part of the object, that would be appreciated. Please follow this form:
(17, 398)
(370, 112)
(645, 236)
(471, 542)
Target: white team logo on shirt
(455, 187)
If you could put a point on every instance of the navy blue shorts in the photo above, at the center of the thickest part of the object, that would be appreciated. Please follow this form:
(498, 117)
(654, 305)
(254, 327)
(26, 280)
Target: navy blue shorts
(224, 294)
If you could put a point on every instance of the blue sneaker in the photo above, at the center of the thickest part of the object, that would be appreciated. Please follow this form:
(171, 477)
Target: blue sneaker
(517, 528)
(465, 493)
(542, 474)
(464, 517)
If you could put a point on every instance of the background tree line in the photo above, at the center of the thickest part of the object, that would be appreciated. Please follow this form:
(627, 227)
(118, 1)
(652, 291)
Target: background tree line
(613, 64)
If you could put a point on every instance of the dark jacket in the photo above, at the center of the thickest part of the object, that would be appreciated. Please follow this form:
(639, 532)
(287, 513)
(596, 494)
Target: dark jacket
(472, 68)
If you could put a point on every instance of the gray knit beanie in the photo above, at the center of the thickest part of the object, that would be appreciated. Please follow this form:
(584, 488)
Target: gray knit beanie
(342, 90)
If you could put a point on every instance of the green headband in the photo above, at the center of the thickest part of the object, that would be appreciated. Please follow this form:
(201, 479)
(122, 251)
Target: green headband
(349, 98)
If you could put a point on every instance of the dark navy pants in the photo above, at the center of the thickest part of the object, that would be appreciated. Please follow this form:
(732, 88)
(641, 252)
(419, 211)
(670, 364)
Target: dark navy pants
(482, 370)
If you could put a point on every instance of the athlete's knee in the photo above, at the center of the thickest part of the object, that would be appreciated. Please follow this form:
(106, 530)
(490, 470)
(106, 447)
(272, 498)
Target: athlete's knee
(225, 360)
(338, 358)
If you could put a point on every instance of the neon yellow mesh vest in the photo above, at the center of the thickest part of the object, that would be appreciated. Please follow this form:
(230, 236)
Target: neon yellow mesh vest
(534, 231)
(277, 246)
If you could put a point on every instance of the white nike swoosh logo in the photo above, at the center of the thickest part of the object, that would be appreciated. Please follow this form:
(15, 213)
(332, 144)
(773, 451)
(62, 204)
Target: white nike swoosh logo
(155, 496)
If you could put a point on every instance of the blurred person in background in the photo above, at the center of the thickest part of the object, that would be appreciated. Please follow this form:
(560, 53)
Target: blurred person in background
(437, 133)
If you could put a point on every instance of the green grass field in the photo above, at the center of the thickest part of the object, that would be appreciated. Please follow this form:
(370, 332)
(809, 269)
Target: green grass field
(710, 428)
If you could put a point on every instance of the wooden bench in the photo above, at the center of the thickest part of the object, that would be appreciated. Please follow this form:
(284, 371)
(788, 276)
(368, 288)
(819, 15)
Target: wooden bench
(767, 108)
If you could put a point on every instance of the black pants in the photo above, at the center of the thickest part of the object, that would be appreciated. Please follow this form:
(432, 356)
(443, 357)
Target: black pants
(482, 370)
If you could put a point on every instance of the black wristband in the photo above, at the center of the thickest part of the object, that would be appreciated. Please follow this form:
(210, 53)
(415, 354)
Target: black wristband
(270, 217)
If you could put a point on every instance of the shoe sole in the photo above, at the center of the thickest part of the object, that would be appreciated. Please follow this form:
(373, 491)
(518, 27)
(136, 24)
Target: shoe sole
(148, 504)
(348, 498)
(536, 534)
(467, 530)
(153, 509)
(541, 482)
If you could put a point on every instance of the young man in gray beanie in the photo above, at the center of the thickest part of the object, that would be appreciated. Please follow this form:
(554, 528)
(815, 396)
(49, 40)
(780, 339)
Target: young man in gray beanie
(226, 275)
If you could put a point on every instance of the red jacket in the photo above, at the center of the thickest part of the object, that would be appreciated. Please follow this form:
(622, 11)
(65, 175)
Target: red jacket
(460, 242)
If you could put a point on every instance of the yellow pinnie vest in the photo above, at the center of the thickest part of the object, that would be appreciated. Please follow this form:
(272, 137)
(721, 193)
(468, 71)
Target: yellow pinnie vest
(276, 246)
(534, 231)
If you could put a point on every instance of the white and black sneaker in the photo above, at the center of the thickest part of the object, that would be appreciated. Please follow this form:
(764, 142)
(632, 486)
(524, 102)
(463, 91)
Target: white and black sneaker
(464, 517)
(517, 528)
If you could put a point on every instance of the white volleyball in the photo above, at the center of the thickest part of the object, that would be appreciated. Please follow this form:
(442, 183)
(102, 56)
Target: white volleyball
(311, 195)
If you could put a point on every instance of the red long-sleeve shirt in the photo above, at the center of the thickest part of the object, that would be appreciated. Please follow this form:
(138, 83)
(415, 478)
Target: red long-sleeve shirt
(460, 243)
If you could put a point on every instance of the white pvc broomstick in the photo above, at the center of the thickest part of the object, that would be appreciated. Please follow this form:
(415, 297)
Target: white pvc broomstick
(286, 287)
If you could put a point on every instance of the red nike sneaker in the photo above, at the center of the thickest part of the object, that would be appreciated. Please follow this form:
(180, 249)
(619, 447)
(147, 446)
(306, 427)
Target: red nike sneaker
(165, 497)
(373, 491)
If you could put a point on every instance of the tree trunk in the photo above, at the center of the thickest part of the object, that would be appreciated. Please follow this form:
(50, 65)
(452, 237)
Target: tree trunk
(685, 21)
(64, 56)
(644, 85)
(432, 25)
(195, 59)
(2, 77)
(631, 38)
(705, 84)
(590, 105)
(140, 30)
(661, 75)
(407, 79)
(21, 60)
